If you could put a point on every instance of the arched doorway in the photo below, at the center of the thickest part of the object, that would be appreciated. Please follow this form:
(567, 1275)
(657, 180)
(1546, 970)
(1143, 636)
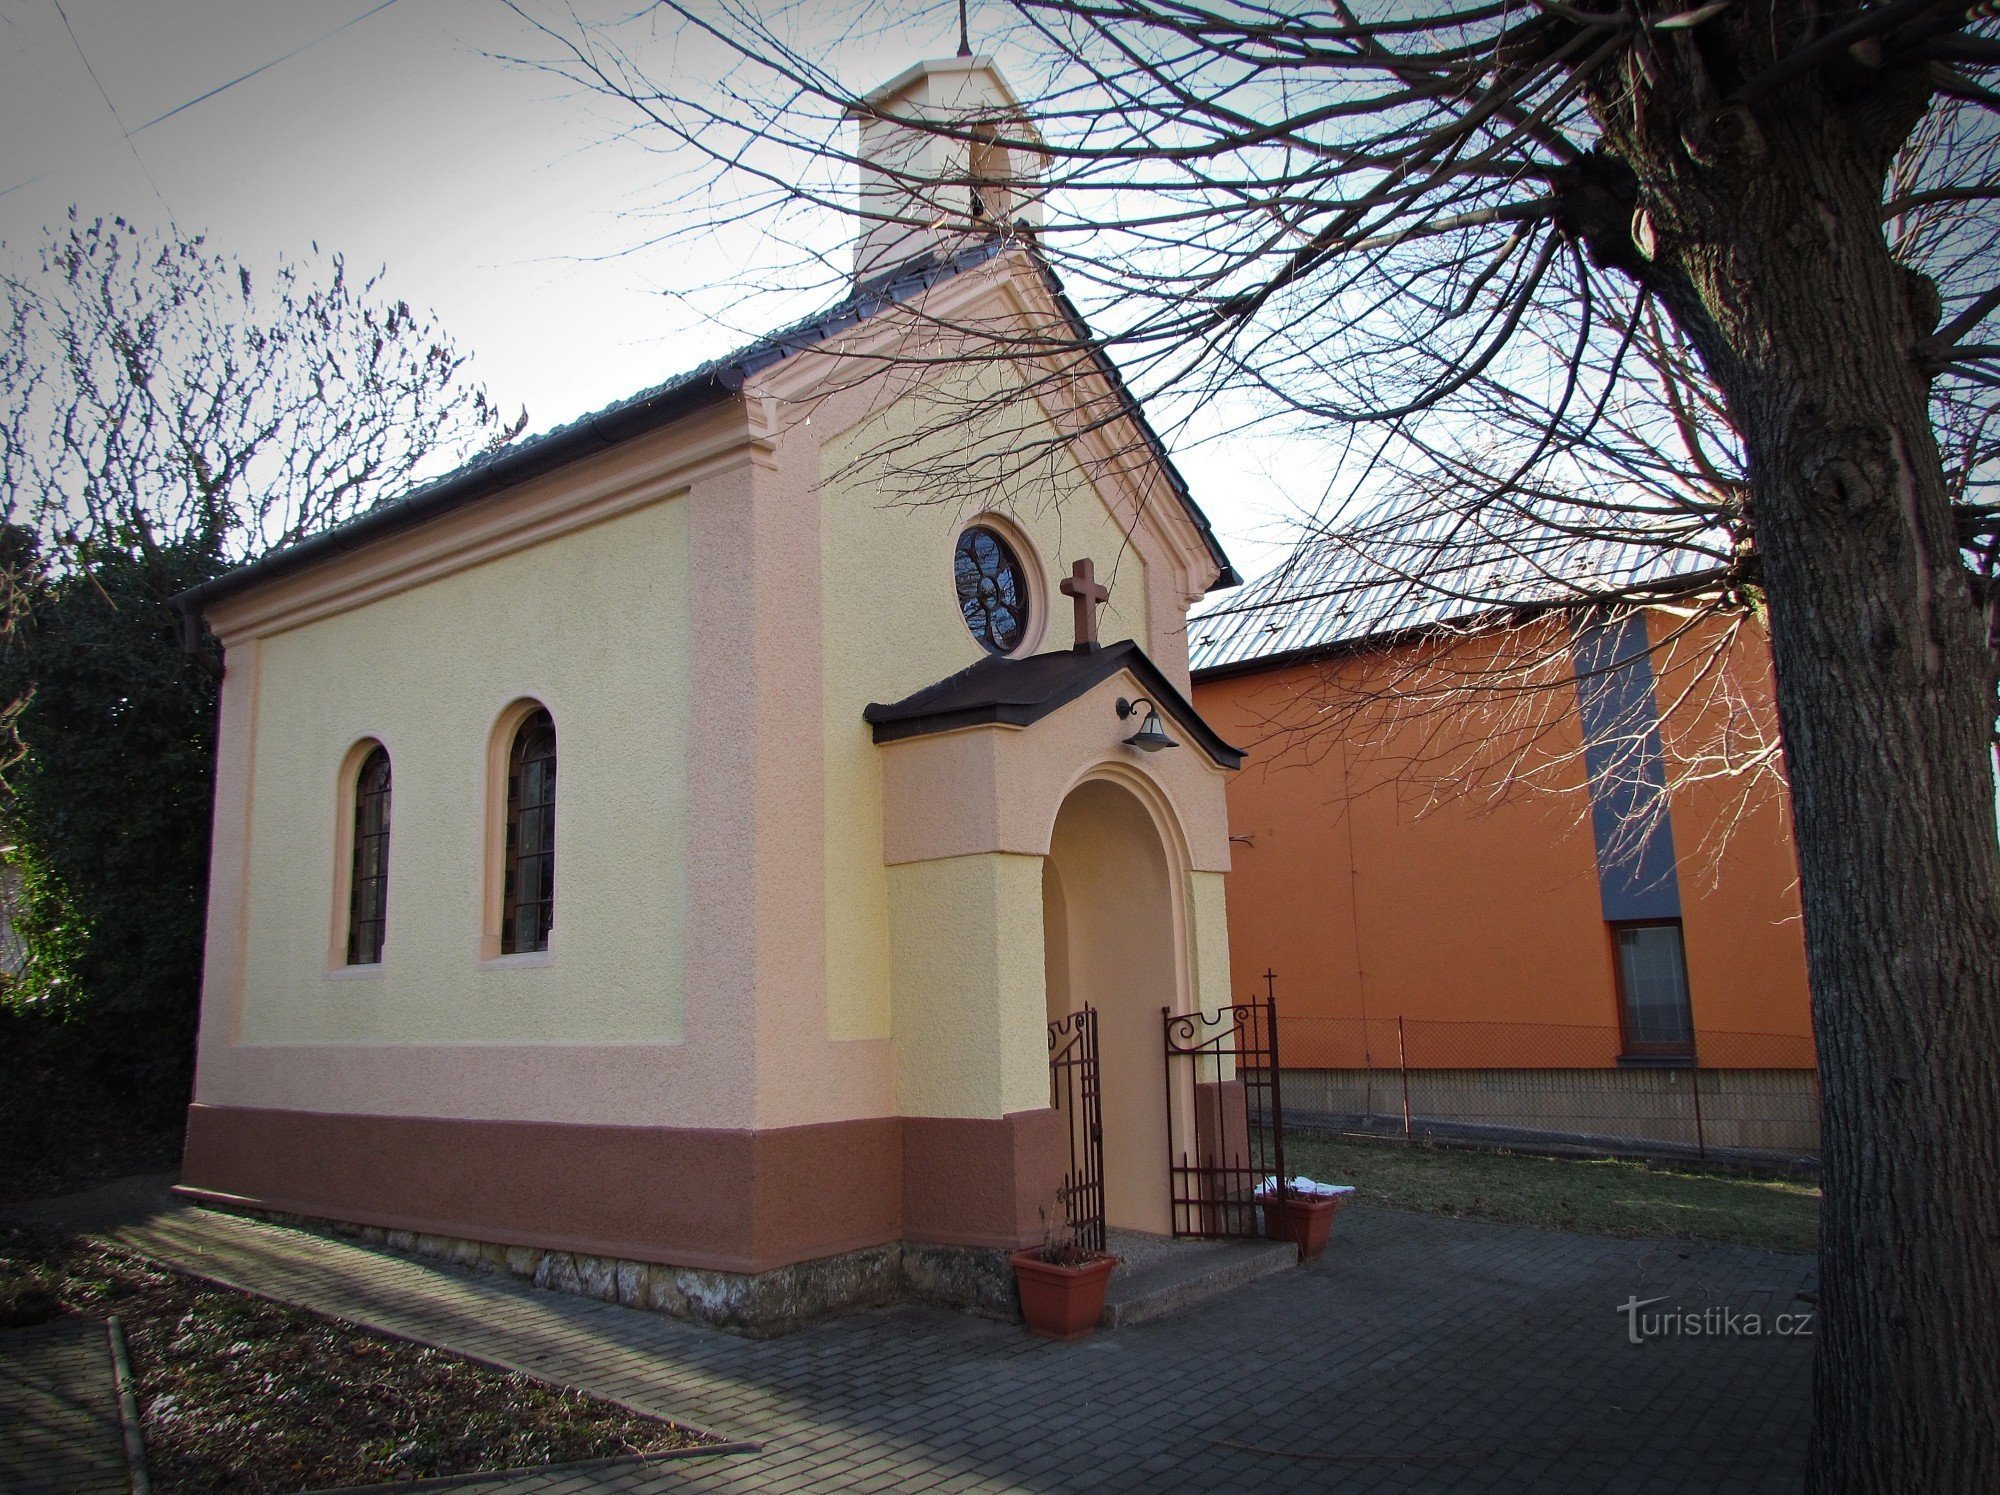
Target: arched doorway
(1110, 938)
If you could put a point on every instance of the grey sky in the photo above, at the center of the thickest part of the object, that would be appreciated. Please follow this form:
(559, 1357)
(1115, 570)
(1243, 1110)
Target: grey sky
(495, 195)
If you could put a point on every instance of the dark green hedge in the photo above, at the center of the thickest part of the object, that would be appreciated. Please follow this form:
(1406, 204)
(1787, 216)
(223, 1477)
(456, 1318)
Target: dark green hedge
(106, 809)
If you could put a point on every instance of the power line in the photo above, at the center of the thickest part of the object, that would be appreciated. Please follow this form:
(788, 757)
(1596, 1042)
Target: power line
(28, 183)
(265, 67)
(127, 135)
(145, 170)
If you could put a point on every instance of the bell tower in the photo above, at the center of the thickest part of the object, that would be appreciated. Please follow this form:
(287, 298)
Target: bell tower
(922, 190)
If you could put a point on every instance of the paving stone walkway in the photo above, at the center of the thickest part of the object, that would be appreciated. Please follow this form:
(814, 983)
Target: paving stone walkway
(1421, 1354)
(59, 1428)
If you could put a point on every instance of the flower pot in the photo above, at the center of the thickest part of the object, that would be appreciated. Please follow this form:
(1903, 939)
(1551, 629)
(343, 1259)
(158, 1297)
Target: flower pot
(1061, 1302)
(1304, 1221)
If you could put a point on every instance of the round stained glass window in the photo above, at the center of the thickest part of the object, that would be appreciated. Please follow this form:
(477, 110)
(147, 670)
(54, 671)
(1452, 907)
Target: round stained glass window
(992, 589)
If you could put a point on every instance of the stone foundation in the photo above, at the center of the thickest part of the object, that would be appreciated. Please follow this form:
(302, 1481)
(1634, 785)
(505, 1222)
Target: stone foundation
(759, 1304)
(976, 1279)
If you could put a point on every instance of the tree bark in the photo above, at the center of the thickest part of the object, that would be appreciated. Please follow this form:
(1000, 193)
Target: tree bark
(1761, 235)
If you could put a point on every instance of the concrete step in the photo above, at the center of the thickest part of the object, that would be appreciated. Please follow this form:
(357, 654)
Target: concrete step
(1161, 1275)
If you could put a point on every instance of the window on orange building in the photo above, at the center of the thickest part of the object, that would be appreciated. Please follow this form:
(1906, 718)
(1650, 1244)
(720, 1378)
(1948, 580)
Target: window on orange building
(1653, 1011)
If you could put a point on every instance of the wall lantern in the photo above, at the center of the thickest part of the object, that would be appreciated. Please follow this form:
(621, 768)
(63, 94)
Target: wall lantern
(1149, 738)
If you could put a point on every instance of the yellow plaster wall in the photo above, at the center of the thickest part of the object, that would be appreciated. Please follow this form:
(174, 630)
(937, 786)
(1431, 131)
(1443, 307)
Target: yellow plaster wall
(970, 1018)
(890, 625)
(1208, 914)
(595, 624)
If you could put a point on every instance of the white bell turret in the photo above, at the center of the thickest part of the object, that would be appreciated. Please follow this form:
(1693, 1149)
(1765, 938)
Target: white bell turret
(922, 190)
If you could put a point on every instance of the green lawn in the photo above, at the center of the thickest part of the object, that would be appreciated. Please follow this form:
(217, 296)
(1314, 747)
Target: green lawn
(1600, 1196)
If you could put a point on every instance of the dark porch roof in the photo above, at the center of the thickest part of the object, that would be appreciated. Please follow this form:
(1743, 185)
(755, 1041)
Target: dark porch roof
(1020, 692)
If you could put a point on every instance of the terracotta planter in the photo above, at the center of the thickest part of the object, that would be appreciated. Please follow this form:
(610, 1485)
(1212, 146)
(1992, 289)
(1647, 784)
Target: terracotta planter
(1304, 1222)
(1061, 1302)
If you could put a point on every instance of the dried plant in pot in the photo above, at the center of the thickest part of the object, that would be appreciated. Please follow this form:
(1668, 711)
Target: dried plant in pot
(1301, 1211)
(1062, 1282)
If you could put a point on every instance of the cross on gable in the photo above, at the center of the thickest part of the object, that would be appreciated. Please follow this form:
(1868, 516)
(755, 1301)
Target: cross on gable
(1087, 594)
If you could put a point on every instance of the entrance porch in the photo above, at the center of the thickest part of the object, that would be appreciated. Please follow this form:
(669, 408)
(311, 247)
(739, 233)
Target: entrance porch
(1046, 858)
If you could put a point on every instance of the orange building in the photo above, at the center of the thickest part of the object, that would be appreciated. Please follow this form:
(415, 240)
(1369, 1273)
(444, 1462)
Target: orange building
(1499, 887)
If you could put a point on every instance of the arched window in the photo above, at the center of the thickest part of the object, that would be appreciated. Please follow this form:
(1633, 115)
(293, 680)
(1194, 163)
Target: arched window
(368, 881)
(988, 169)
(528, 908)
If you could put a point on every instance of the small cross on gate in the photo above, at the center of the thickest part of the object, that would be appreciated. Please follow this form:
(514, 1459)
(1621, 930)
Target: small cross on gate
(1085, 591)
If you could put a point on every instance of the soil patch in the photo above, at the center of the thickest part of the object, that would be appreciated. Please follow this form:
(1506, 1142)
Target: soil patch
(241, 1394)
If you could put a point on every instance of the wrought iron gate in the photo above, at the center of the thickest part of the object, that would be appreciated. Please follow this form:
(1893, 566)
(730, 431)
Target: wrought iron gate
(1073, 1093)
(1225, 1118)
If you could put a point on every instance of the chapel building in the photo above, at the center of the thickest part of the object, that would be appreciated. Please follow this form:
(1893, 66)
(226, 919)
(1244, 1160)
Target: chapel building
(652, 857)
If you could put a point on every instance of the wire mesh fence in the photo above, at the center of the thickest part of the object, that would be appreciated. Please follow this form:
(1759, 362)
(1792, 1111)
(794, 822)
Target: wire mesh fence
(1749, 1095)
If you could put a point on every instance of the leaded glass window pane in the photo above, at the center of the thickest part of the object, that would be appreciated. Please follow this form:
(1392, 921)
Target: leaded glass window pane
(368, 883)
(992, 590)
(530, 894)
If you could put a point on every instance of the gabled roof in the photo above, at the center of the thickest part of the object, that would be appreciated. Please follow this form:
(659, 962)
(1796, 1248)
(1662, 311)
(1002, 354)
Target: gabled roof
(710, 383)
(877, 100)
(1226, 574)
(1020, 692)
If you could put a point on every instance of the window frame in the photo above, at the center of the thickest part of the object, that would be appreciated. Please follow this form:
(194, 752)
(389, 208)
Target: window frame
(340, 903)
(495, 946)
(1650, 1052)
(360, 837)
(1034, 583)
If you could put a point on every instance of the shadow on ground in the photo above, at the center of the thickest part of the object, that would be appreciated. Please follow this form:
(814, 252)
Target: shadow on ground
(1420, 1353)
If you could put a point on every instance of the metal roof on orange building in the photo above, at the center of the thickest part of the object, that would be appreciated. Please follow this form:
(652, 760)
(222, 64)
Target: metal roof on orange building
(1397, 572)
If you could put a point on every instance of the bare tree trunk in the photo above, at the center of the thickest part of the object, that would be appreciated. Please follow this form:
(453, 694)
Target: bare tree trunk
(1762, 238)
(1882, 697)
